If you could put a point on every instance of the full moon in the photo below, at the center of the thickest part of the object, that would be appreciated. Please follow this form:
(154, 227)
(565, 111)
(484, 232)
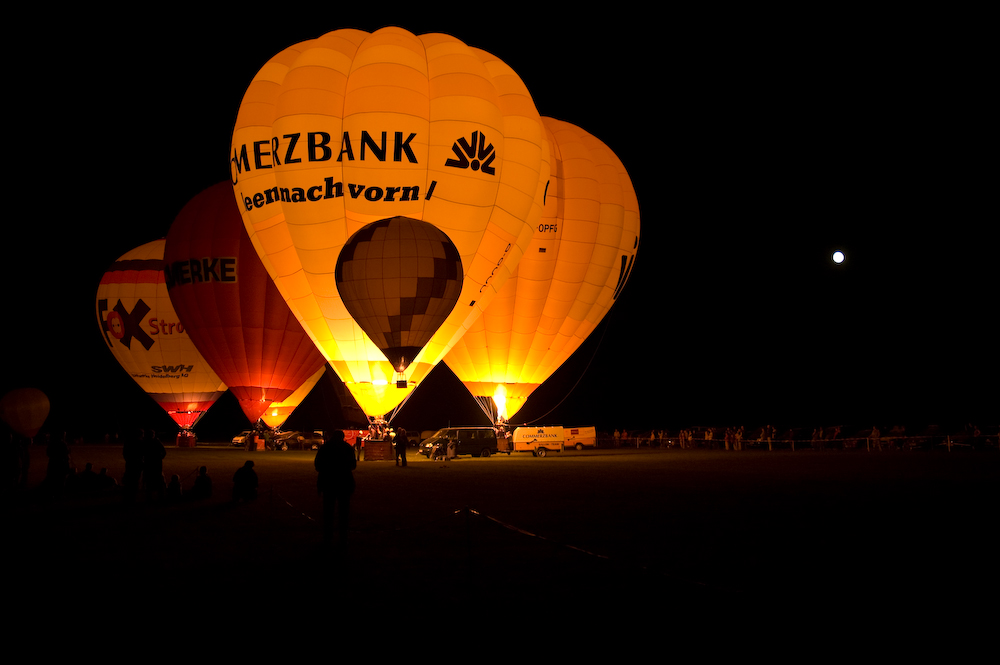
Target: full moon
(838, 257)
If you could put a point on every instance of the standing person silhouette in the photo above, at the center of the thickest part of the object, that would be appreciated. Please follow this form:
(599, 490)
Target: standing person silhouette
(401, 445)
(245, 483)
(335, 464)
(133, 453)
(153, 453)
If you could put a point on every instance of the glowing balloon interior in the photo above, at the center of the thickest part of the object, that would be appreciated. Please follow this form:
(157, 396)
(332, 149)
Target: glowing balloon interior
(351, 129)
(147, 338)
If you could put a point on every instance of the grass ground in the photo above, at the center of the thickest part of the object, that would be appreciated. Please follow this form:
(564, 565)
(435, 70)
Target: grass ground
(594, 534)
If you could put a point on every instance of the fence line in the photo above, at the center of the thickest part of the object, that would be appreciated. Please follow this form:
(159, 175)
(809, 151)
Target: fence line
(871, 444)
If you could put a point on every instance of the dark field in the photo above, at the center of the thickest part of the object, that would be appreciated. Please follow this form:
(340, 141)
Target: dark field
(587, 535)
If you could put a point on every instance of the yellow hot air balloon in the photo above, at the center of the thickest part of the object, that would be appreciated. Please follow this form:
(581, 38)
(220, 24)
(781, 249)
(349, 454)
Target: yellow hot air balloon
(574, 269)
(422, 155)
(145, 335)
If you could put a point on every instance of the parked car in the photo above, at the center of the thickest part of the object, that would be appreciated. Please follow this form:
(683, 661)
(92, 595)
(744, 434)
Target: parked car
(241, 438)
(475, 441)
(298, 440)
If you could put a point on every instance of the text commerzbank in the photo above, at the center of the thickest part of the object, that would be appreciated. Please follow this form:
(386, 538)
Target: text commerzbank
(299, 147)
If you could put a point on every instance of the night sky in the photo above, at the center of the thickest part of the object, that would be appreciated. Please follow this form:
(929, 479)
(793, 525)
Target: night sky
(757, 144)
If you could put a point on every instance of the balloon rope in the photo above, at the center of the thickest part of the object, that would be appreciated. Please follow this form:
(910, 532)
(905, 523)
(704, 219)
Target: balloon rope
(485, 403)
(392, 414)
(592, 356)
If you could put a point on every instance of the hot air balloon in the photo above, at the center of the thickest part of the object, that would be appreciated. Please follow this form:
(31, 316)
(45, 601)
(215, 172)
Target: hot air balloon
(145, 334)
(578, 261)
(352, 147)
(231, 308)
(277, 412)
(25, 410)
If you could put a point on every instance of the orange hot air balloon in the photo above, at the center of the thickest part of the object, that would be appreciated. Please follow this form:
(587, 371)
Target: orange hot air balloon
(351, 135)
(571, 274)
(146, 336)
(277, 412)
(231, 308)
(25, 410)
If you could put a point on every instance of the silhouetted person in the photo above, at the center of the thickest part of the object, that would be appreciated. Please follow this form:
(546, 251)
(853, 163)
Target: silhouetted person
(105, 483)
(87, 480)
(245, 483)
(58, 469)
(152, 466)
(335, 464)
(132, 452)
(174, 491)
(11, 462)
(401, 443)
(202, 485)
(24, 452)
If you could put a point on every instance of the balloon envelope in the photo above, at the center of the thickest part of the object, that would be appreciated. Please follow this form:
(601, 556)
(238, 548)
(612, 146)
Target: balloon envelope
(231, 308)
(277, 412)
(399, 278)
(25, 410)
(575, 267)
(350, 129)
(146, 336)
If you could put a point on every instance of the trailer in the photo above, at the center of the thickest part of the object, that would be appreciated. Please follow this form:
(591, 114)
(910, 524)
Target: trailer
(539, 440)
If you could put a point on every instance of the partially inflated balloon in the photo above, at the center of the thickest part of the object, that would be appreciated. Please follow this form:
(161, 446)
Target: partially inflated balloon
(25, 410)
(230, 306)
(571, 274)
(352, 129)
(146, 336)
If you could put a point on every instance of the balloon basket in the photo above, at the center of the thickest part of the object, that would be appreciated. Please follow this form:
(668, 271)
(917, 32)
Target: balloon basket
(378, 450)
(186, 440)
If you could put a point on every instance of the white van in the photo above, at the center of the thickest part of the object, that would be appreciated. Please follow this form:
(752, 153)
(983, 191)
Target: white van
(539, 440)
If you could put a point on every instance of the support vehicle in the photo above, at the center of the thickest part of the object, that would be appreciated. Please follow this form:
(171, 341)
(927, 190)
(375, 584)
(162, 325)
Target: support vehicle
(539, 441)
(475, 441)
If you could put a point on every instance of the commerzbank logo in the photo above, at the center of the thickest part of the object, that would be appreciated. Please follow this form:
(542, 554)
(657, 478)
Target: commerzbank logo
(475, 154)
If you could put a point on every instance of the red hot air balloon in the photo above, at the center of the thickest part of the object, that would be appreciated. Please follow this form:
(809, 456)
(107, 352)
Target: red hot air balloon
(231, 307)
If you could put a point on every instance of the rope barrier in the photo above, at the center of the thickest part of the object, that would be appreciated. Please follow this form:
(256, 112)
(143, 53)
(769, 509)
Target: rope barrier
(871, 443)
(515, 529)
(603, 557)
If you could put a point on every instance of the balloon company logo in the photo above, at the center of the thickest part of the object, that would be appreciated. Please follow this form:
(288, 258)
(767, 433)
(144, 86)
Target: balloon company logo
(292, 149)
(166, 372)
(126, 326)
(626, 269)
(207, 269)
(172, 369)
(316, 147)
(474, 154)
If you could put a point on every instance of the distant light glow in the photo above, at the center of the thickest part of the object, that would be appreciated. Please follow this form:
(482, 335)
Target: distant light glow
(838, 257)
